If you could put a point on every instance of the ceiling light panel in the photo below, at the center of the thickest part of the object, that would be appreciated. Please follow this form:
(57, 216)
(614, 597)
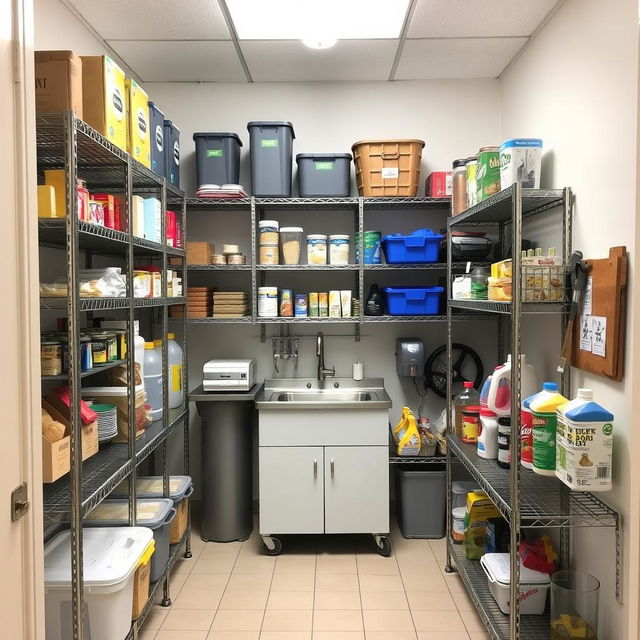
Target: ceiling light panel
(297, 19)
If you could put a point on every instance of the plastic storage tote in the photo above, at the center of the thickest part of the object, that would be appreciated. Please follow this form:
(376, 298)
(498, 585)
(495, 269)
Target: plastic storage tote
(421, 498)
(111, 556)
(413, 301)
(217, 158)
(172, 153)
(324, 175)
(156, 129)
(421, 246)
(271, 152)
(388, 167)
(156, 514)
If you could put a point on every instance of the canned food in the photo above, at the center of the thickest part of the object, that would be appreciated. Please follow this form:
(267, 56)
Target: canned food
(286, 303)
(86, 359)
(51, 358)
(268, 302)
(301, 305)
(99, 349)
(488, 173)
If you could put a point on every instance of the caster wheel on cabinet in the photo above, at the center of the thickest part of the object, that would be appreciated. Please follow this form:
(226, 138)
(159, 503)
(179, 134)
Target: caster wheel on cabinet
(383, 546)
(272, 546)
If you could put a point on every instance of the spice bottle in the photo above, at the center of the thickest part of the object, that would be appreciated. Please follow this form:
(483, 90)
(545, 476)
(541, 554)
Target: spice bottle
(458, 187)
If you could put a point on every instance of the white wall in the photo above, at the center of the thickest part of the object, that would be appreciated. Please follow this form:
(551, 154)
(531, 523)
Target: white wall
(575, 86)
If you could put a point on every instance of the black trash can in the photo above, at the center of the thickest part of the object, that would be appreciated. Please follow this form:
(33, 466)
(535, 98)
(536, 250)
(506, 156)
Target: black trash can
(324, 175)
(217, 158)
(421, 502)
(271, 151)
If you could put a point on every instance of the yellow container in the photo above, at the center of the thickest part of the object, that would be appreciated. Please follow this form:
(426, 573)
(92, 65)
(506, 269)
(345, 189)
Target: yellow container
(47, 207)
(138, 138)
(499, 289)
(55, 178)
(142, 581)
(103, 98)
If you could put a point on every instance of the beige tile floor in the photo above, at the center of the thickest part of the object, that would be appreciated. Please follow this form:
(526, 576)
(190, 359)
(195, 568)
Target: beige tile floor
(320, 588)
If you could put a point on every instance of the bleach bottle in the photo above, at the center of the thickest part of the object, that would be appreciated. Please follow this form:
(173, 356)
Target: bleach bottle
(499, 393)
(543, 408)
(584, 444)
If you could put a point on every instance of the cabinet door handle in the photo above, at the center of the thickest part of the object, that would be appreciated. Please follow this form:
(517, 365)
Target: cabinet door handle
(315, 468)
(332, 468)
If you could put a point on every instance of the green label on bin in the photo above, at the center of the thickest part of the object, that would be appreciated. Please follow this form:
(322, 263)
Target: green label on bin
(269, 143)
(214, 153)
(324, 166)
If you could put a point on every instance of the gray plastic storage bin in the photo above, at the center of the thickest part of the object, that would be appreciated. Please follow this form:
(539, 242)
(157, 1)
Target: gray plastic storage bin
(271, 158)
(421, 503)
(324, 175)
(156, 514)
(217, 158)
(156, 128)
(172, 153)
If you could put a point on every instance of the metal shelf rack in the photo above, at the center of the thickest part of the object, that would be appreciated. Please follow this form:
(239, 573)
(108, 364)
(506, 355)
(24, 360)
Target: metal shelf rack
(525, 499)
(67, 143)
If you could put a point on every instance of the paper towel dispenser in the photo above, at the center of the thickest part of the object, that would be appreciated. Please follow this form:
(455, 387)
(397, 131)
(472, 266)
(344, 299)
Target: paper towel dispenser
(410, 358)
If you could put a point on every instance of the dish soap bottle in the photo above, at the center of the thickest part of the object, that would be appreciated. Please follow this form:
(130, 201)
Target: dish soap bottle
(374, 306)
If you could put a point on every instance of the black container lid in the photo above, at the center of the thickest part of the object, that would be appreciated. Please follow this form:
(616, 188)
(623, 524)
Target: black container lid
(168, 123)
(459, 163)
(271, 123)
(226, 134)
(323, 156)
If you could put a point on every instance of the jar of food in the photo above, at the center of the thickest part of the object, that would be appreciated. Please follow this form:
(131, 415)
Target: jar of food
(83, 199)
(316, 249)
(51, 358)
(291, 239)
(218, 258)
(268, 231)
(268, 302)
(86, 359)
(286, 303)
(457, 523)
(470, 424)
(99, 349)
(269, 254)
(488, 174)
(472, 169)
(480, 283)
(339, 249)
(236, 258)
(459, 187)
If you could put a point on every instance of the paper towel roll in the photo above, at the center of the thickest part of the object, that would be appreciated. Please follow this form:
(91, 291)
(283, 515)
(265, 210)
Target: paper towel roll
(358, 370)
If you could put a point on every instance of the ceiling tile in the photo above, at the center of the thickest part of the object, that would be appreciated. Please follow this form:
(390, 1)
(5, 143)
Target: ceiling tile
(178, 60)
(468, 18)
(290, 60)
(456, 57)
(154, 19)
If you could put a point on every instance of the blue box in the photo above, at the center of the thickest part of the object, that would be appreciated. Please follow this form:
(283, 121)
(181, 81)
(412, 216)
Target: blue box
(421, 246)
(413, 301)
(156, 131)
(153, 219)
(172, 153)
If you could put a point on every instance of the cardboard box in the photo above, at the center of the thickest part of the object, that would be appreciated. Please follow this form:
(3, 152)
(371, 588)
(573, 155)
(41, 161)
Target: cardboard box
(438, 185)
(55, 178)
(103, 98)
(137, 216)
(109, 208)
(138, 135)
(153, 219)
(199, 253)
(58, 82)
(47, 201)
(55, 455)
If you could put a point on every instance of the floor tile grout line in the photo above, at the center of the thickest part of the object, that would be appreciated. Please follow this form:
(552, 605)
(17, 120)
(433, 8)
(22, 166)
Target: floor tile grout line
(315, 573)
(404, 590)
(364, 633)
(266, 604)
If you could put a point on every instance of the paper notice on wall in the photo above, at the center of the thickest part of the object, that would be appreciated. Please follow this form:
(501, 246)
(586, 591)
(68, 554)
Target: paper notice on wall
(585, 333)
(599, 335)
(587, 306)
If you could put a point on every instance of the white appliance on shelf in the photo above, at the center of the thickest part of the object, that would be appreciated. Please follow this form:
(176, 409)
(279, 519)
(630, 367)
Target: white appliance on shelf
(229, 375)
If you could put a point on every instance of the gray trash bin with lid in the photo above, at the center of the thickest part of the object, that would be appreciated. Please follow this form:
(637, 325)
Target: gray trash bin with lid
(227, 462)
(271, 150)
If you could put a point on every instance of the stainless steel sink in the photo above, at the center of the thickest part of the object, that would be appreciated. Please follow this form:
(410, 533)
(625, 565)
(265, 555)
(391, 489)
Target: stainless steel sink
(334, 393)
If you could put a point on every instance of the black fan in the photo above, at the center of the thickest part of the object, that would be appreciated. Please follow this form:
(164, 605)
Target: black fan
(466, 366)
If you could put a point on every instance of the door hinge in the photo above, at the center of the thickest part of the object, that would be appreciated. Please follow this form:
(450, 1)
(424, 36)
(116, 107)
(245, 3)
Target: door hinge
(19, 502)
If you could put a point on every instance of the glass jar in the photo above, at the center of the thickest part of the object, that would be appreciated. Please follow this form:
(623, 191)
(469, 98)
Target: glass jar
(458, 187)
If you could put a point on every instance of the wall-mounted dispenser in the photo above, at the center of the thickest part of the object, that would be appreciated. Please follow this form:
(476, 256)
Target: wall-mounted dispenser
(410, 358)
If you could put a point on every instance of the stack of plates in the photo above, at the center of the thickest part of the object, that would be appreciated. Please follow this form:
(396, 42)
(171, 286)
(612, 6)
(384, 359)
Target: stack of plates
(218, 191)
(107, 421)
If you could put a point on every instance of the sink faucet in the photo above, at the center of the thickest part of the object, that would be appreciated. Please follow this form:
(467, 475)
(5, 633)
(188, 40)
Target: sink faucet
(323, 373)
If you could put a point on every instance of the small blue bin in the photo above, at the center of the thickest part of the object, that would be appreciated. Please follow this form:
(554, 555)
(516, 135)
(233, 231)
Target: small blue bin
(420, 246)
(413, 301)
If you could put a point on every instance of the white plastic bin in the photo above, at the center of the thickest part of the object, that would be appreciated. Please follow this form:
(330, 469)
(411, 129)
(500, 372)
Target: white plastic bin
(111, 556)
(534, 585)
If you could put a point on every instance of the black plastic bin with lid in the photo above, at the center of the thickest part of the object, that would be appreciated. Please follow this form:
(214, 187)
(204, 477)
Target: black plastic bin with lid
(324, 175)
(271, 152)
(217, 158)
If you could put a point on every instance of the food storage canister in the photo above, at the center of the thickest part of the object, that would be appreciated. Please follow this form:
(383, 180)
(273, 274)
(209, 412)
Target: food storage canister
(457, 526)
(268, 302)
(488, 173)
(458, 187)
(291, 240)
(99, 349)
(268, 231)
(51, 358)
(269, 254)
(316, 248)
(339, 249)
(372, 250)
(520, 161)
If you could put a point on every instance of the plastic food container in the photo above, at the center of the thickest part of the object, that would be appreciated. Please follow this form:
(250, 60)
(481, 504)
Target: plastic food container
(268, 302)
(521, 161)
(413, 301)
(269, 254)
(316, 248)
(271, 150)
(324, 175)
(421, 246)
(339, 249)
(268, 231)
(111, 556)
(291, 241)
(457, 527)
(217, 158)
(157, 514)
(371, 242)
(534, 585)
(142, 581)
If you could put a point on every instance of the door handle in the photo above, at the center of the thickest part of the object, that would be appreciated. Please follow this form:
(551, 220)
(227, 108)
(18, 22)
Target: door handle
(332, 468)
(315, 468)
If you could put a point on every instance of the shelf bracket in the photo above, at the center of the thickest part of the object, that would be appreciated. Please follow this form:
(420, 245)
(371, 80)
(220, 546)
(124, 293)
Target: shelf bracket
(357, 332)
(263, 333)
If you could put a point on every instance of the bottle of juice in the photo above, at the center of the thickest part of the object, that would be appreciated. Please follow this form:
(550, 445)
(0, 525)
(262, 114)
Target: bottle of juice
(467, 397)
(543, 409)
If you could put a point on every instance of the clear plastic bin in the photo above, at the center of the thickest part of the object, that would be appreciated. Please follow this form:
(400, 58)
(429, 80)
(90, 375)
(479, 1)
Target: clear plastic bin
(291, 241)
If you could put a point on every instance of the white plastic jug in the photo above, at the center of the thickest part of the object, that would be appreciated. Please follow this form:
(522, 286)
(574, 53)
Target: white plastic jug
(153, 380)
(176, 392)
(499, 395)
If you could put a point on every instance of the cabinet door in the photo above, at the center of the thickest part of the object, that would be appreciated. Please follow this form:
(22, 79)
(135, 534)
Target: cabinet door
(356, 489)
(291, 490)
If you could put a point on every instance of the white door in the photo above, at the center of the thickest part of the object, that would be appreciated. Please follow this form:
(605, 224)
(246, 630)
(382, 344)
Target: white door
(21, 590)
(291, 490)
(356, 489)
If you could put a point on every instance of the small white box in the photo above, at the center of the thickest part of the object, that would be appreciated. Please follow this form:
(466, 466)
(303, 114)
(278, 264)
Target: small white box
(137, 216)
(533, 584)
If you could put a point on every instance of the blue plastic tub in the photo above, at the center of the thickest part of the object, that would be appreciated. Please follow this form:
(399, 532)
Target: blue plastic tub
(413, 301)
(420, 246)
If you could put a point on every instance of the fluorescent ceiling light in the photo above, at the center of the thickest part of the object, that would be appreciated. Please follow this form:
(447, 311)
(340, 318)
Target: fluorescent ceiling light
(324, 19)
